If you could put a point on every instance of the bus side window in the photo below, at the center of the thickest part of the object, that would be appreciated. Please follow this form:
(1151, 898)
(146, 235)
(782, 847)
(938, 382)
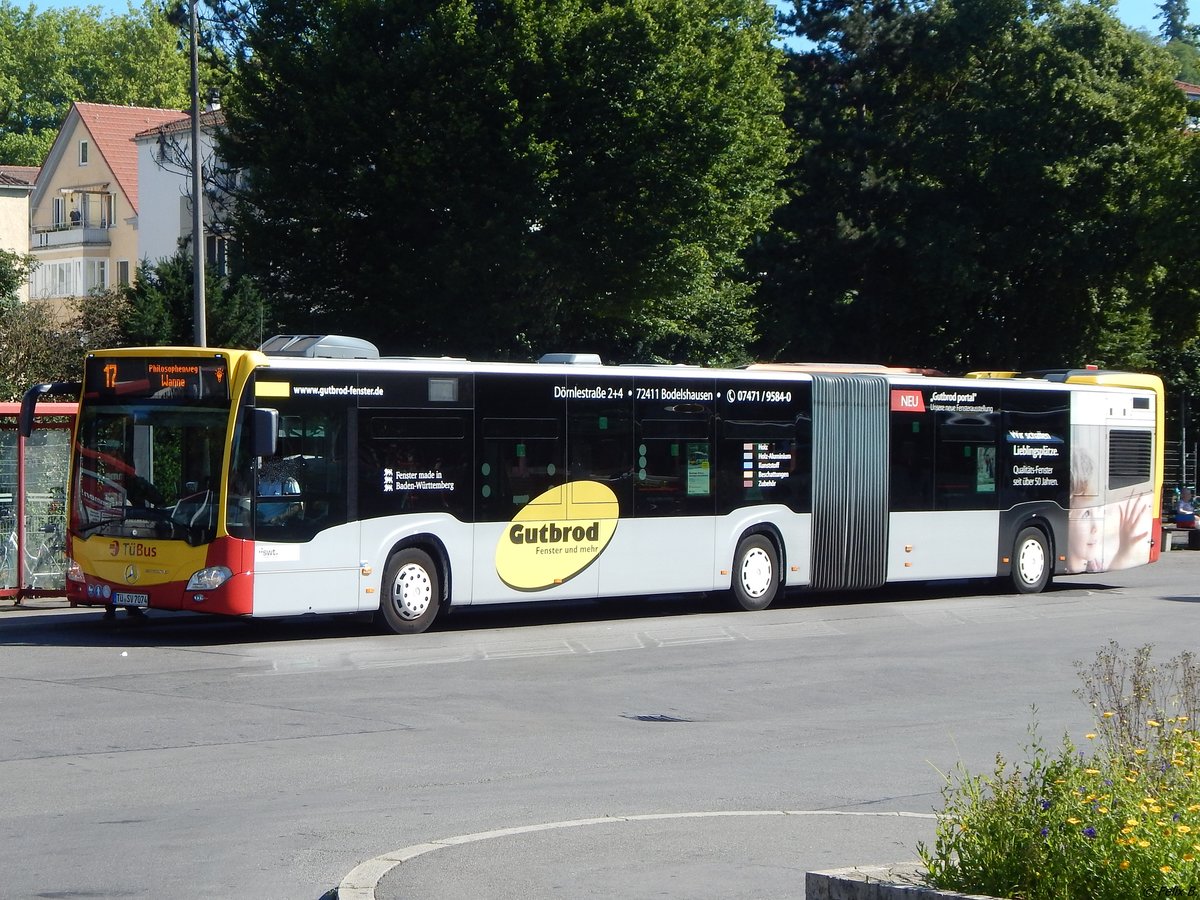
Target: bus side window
(600, 441)
(966, 463)
(312, 460)
(523, 458)
(673, 474)
(912, 462)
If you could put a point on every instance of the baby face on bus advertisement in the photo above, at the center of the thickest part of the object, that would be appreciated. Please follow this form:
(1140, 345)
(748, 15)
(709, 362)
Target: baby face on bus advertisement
(1103, 536)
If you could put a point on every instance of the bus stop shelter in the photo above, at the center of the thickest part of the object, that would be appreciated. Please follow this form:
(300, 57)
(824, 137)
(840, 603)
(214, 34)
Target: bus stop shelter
(33, 484)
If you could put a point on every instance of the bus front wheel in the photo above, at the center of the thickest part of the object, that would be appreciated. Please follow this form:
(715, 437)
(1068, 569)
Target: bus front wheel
(755, 573)
(411, 592)
(1031, 562)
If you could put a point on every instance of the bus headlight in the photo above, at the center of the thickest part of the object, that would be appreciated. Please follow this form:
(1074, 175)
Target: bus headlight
(74, 572)
(210, 578)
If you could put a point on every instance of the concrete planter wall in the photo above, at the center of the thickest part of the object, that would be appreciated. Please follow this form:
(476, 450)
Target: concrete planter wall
(896, 882)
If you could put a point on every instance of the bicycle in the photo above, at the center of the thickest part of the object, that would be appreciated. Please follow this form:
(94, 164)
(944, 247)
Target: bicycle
(9, 576)
(46, 570)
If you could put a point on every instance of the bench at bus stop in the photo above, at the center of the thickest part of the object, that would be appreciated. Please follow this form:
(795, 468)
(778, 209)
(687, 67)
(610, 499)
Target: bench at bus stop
(1171, 535)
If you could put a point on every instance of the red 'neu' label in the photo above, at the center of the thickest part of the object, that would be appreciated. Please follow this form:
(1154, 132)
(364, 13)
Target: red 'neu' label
(908, 401)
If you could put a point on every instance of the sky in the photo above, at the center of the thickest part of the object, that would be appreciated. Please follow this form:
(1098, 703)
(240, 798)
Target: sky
(1135, 13)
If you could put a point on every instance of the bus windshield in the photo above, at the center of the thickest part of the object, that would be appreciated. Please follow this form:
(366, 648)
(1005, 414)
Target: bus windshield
(149, 469)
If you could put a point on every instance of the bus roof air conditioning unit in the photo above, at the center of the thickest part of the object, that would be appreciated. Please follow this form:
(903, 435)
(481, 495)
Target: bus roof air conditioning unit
(572, 359)
(319, 346)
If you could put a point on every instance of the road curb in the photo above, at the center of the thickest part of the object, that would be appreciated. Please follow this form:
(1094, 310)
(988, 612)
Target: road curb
(361, 881)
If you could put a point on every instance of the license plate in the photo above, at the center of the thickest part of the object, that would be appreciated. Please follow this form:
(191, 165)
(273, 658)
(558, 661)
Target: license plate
(119, 598)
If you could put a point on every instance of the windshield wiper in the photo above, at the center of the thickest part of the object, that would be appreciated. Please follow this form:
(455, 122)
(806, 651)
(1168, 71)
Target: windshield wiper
(155, 517)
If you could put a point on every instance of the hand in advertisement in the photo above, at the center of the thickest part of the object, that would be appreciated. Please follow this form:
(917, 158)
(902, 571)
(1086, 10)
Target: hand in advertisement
(1133, 533)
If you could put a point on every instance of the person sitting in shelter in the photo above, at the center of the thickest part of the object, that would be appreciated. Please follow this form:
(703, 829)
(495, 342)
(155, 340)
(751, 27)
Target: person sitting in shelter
(1185, 512)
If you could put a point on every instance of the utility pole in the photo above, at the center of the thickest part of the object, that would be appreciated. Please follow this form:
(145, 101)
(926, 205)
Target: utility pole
(198, 311)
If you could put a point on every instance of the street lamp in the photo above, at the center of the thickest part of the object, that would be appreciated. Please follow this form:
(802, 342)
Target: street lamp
(198, 312)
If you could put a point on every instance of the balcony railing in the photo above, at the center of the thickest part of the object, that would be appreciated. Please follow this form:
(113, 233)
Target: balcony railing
(64, 235)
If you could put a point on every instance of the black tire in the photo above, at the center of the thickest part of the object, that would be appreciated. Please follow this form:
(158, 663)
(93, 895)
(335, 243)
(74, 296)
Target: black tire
(411, 592)
(755, 573)
(1032, 564)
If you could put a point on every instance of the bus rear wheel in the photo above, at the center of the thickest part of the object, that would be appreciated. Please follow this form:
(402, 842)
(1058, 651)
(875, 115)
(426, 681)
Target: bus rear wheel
(1031, 562)
(755, 573)
(411, 592)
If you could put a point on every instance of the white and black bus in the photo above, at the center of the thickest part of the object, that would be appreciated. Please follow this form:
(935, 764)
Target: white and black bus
(313, 476)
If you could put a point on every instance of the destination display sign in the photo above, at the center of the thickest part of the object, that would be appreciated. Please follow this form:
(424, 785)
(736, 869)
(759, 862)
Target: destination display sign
(157, 377)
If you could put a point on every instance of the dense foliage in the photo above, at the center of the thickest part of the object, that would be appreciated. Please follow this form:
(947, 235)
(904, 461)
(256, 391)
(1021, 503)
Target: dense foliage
(52, 58)
(499, 179)
(982, 183)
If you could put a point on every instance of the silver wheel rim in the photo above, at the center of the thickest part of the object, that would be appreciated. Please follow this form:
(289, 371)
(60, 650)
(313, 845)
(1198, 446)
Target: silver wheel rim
(412, 591)
(756, 572)
(1031, 562)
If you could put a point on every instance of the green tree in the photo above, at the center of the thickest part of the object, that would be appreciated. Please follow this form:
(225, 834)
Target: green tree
(14, 274)
(982, 183)
(496, 179)
(1174, 16)
(34, 347)
(50, 59)
(1187, 60)
(159, 307)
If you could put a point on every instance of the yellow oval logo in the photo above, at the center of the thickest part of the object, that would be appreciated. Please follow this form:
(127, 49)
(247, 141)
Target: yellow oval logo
(557, 535)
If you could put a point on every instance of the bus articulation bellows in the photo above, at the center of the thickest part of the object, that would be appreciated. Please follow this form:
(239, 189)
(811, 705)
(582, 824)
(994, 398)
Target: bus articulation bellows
(312, 476)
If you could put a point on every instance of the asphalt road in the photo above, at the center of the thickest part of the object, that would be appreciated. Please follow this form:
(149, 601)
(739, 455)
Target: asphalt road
(190, 757)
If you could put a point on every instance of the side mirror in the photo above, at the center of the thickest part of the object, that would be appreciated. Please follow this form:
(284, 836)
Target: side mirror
(266, 430)
(30, 399)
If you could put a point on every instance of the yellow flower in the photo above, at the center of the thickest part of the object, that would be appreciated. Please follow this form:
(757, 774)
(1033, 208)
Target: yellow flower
(1138, 751)
(1187, 857)
(1107, 714)
(1153, 724)
(1124, 864)
(1131, 822)
(1072, 820)
(1143, 843)
(1164, 869)
(1091, 735)
(1183, 829)
(1103, 810)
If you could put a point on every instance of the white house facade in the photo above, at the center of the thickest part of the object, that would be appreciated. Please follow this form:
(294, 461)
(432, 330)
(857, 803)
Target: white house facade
(165, 187)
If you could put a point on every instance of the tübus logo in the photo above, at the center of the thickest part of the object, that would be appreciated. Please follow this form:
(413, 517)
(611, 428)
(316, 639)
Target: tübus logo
(557, 535)
(129, 548)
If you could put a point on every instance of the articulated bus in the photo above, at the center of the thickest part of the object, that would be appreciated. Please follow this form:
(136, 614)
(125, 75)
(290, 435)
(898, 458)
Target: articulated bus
(312, 476)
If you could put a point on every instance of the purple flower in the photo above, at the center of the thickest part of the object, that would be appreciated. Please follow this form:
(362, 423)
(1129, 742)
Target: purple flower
(1089, 832)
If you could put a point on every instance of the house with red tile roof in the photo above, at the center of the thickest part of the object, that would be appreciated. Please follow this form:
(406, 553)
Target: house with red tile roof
(84, 205)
